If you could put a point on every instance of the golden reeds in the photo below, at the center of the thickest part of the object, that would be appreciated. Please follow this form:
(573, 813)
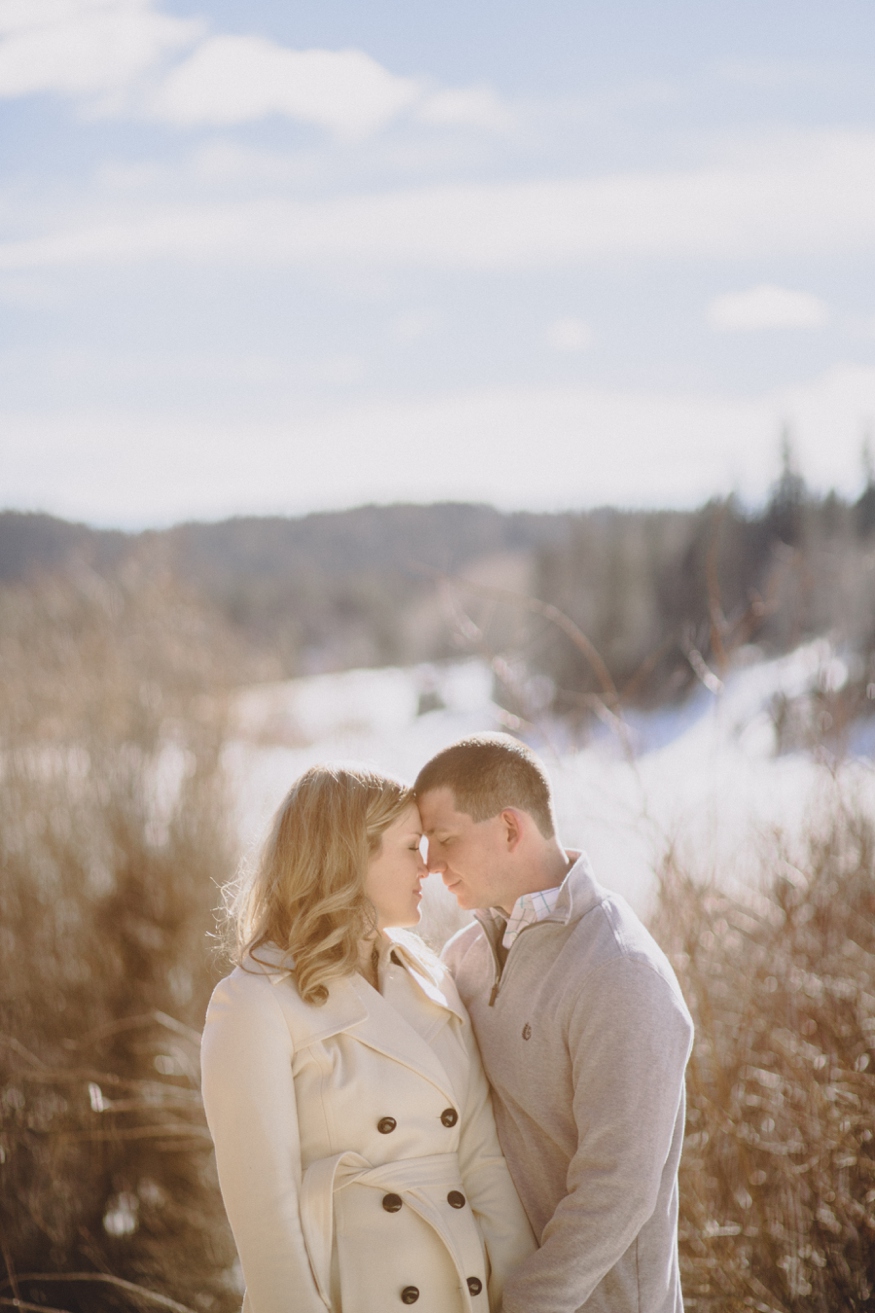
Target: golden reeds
(778, 1173)
(112, 842)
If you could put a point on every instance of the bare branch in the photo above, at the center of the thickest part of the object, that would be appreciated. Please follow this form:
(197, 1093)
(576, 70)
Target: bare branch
(701, 669)
(140, 1292)
(712, 583)
(10, 1269)
(647, 667)
(155, 1018)
(561, 621)
(31, 1308)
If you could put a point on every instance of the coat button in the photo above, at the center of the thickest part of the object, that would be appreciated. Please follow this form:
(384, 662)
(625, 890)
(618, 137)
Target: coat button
(386, 1125)
(392, 1202)
(456, 1199)
(409, 1295)
(449, 1116)
(475, 1285)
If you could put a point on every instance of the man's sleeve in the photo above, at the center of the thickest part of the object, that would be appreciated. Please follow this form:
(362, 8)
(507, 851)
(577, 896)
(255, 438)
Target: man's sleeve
(630, 1038)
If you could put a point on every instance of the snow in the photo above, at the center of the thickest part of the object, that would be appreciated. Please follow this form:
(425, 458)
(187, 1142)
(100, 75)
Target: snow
(702, 778)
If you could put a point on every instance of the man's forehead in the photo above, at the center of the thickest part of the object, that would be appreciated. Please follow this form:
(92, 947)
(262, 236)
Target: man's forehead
(438, 809)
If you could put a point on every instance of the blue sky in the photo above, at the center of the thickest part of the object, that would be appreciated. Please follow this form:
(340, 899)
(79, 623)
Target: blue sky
(268, 257)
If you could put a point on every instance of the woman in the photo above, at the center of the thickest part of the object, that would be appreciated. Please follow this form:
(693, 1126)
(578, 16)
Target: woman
(356, 1148)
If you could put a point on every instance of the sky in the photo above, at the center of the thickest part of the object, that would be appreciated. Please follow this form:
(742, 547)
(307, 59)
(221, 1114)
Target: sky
(263, 257)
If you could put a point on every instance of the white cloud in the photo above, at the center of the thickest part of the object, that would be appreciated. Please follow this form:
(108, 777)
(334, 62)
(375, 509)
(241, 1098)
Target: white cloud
(766, 306)
(570, 334)
(820, 201)
(237, 79)
(28, 292)
(513, 446)
(476, 107)
(413, 325)
(98, 47)
(83, 47)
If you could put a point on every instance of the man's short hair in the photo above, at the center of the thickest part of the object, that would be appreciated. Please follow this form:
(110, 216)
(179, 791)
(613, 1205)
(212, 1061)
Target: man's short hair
(488, 772)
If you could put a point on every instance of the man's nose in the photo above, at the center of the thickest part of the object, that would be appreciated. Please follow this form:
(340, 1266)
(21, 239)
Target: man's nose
(434, 862)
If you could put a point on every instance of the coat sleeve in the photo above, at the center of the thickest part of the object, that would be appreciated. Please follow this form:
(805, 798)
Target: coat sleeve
(488, 1185)
(249, 1099)
(630, 1038)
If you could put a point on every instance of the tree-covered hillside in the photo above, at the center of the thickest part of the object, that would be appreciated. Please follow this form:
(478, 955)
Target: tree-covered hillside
(610, 604)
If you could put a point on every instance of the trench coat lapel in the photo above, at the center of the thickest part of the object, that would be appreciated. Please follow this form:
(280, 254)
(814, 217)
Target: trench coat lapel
(384, 1028)
(309, 1023)
(354, 1007)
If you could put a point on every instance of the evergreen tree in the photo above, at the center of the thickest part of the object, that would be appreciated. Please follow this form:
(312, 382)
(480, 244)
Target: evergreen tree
(864, 508)
(785, 513)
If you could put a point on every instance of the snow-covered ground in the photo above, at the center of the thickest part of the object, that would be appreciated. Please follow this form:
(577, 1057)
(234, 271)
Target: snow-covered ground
(703, 777)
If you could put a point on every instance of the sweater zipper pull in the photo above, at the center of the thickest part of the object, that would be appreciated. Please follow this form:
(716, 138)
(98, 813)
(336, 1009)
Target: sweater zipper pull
(499, 966)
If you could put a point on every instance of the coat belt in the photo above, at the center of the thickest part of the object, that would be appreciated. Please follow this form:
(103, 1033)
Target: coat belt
(413, 1178)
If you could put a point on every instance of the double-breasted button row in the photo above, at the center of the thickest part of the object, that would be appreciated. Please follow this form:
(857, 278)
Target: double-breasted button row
(410, 1294)
(386, 1125)
(393, 1203)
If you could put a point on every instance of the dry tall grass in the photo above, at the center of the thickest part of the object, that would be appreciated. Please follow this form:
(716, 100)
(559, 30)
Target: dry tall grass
(778, 1173)
(112, 839)
(112, 842)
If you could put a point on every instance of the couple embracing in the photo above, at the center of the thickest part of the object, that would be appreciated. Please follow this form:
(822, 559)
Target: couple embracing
(364, 1162)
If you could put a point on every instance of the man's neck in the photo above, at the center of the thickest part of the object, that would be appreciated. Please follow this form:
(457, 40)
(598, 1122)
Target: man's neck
(547, 873)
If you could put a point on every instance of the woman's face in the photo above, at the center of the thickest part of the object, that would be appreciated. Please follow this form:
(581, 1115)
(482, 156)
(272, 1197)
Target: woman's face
(395, 875)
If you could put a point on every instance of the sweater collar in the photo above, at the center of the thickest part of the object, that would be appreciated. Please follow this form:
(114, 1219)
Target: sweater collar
(578, 893)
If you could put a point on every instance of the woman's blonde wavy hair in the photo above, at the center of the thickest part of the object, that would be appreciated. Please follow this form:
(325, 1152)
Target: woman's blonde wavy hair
(306, 894)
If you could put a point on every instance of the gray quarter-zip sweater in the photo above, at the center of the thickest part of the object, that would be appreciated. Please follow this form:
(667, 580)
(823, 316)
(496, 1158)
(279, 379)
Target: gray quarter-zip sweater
(585, 1037)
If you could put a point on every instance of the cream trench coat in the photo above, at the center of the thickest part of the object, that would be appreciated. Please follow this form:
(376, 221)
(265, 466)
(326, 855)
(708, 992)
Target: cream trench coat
(356, 1147)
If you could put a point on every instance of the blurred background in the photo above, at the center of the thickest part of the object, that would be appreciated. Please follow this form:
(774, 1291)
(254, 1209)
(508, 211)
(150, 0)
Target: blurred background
(376, 375)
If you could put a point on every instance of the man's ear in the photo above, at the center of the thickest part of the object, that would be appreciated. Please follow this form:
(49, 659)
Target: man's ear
(512, 822)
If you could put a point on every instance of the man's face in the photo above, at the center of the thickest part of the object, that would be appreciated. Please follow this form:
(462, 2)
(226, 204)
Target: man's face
(471, 856)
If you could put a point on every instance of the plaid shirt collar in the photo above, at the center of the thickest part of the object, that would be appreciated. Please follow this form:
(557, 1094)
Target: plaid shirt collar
(528, 909)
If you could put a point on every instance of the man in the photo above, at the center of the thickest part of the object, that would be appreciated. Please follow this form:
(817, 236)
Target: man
(584, 1034)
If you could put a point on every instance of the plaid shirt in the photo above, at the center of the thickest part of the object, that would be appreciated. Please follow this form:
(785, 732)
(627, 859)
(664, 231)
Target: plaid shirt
(528, 909)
